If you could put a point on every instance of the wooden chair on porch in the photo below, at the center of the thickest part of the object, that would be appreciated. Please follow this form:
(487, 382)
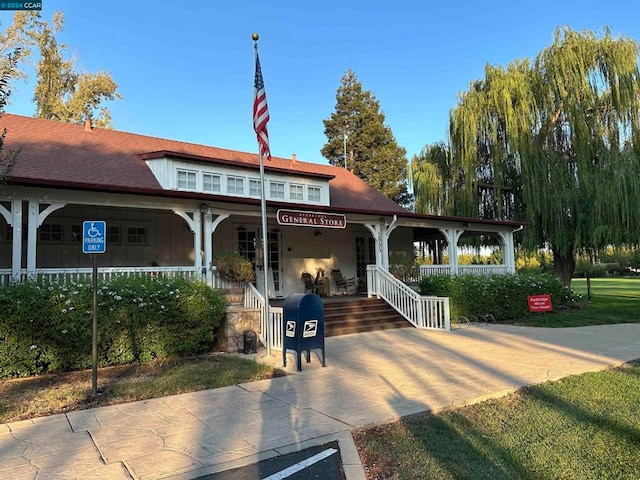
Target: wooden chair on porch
(343, 283)
(309, 283)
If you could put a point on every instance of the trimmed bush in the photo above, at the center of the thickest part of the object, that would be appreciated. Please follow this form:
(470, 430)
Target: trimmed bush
(504, 296)
(47, 327)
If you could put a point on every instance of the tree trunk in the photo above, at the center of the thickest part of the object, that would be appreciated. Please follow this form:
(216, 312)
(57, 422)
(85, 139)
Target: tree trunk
(564, 266)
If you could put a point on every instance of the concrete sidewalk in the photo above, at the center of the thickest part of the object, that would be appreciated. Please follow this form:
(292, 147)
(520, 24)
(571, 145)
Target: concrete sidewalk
(369, 378)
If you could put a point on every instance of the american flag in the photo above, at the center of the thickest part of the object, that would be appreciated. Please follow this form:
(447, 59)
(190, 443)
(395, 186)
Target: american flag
(260, 111)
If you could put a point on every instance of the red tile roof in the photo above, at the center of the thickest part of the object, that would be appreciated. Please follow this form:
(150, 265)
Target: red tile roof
(63, 154)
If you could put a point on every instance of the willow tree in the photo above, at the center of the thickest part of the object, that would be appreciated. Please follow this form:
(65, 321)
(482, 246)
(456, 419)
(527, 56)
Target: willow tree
(556, 143)
(432, 179)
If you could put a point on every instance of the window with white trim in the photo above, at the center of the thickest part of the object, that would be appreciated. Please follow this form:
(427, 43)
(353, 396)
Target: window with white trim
(187, 180)
(276, 189)
(211, 182)
(296, 192)
(254, 187)
(235, 185)
(314, 193)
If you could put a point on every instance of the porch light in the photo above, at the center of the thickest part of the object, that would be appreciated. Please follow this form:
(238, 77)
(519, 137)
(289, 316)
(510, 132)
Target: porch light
(206, 209)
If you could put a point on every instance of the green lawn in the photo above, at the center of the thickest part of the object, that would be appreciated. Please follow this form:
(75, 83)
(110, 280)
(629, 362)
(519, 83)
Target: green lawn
(582, 427)
(613, 300)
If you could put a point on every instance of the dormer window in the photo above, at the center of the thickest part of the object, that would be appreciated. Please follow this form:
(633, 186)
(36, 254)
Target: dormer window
(276, 189)
(314, 193)
(254, 187)
(187, 180)
(296, 192)
(211, 183)
(235, 185)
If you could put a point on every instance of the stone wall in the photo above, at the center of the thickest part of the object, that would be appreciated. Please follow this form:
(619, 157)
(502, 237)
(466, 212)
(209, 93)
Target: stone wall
(236, 320)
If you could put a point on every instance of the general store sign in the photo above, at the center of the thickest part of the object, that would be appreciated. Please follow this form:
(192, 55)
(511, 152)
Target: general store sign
(539, 303)
(311, 219)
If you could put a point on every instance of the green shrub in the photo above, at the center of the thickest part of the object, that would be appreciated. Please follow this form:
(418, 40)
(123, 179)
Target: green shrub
(47, 327)
(504, 296)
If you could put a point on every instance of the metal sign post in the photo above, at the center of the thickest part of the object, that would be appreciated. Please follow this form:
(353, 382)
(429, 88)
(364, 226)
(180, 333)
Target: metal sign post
(94, 241)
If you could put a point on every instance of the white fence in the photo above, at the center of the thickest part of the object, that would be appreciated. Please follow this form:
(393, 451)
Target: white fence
(420, 311)
(470, 269)
(104, 273)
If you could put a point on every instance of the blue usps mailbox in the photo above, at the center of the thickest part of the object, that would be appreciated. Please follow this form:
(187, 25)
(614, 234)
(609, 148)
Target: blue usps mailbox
(303, 326)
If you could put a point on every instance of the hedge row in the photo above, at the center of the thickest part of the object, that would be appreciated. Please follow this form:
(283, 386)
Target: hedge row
(503, 296)
(47, 327)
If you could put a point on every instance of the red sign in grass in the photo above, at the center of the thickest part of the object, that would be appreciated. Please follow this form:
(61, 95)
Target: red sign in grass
(540, 303)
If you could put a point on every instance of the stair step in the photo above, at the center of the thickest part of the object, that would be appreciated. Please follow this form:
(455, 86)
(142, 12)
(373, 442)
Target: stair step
(361, 315)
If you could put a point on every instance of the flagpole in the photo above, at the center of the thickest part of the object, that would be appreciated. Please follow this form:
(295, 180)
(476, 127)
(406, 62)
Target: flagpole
(265, 244)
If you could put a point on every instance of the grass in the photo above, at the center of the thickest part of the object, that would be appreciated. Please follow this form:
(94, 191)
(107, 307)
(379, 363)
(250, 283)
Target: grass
(59, 393)
(613, 300)
(582, 427)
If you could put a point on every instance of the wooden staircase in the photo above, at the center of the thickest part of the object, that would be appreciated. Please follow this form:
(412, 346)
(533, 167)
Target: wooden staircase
(360, 314)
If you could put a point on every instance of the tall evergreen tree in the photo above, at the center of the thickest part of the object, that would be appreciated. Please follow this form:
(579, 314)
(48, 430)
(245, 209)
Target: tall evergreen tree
(372, 152)
(556, 143)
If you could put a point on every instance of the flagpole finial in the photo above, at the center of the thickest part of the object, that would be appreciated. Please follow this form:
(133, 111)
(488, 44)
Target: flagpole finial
(255, 36)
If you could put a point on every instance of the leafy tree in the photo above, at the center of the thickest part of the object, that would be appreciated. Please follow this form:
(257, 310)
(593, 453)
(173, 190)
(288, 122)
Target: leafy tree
(372, 152)
(556, 144)
(8, 67)
(62, 93)
(432, 179)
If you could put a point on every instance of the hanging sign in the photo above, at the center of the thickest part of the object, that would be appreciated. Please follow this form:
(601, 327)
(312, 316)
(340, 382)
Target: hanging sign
(311, 219)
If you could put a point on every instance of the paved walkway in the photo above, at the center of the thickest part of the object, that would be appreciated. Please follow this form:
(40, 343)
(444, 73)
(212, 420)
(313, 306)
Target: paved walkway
(369, 378)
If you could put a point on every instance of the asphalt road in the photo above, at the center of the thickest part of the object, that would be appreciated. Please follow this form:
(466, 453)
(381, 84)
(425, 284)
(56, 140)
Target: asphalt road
(322, 463)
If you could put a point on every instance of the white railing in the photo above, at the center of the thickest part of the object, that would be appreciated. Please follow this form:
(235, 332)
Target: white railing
(435, 270)
(104, 273)
(108, 273)
(484, 269)
(5, 276)
(420, 311)
(254, 299)
(426, 270)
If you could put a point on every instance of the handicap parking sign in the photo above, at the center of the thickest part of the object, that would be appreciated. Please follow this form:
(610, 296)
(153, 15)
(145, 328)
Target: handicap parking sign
(94, 238)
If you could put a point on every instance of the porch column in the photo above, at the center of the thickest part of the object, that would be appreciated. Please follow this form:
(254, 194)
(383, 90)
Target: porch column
(36, 217)
(376, 233)
(386, 233)
(508, 251)
(14, 218)
(208, 231)
(452, 235)
(381, 232)
(194, 221)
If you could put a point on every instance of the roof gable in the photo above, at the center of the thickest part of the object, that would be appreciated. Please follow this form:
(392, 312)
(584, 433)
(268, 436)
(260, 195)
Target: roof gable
(56, 153)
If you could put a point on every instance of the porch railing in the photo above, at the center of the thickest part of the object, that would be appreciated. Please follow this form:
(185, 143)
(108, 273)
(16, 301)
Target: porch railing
(104, 273)
(426, 270)
(254, 299)
(420, 311)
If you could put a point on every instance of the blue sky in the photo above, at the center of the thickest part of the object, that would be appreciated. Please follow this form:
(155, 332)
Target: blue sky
(185, 69)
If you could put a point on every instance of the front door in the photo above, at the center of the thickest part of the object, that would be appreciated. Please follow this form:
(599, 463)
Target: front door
(250, 246)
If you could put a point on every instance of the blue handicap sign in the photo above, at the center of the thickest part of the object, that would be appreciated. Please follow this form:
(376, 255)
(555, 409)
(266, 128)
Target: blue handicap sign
(94, 237)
